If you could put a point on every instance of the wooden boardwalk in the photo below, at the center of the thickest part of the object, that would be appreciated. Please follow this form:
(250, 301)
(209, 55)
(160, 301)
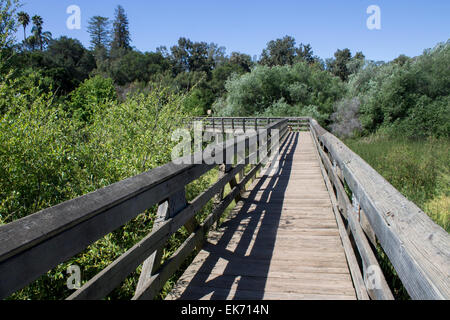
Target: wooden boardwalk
(280, 242)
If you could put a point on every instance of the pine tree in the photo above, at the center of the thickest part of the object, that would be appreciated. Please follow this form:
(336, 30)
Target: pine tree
(121, 33)
(99, 31)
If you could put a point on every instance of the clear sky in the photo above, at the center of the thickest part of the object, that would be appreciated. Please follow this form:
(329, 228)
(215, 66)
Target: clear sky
(407, 26)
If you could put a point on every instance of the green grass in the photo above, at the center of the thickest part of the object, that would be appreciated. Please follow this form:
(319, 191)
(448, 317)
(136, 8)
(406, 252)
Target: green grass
(419, 169)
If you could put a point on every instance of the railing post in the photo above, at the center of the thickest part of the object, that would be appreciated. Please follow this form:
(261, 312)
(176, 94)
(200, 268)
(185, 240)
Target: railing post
(243, 124)
(166, 210)
(232, 124)
(223, 126)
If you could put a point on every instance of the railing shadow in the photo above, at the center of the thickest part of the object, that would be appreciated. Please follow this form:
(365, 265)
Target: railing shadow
(247, 258)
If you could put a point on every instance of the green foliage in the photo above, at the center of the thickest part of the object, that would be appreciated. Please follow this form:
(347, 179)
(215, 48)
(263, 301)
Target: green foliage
(418, 169)
(8, 28)
(20, 88)
(134, 66)
(99, 31)
(47, 158)
(8, 22)
(282, 52)
(409, 96)
(65, 61)
(121, 32)
(296, 90)
(195, 103)
(89, 96)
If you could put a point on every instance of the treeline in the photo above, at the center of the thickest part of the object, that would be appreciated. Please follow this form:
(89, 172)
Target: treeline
(408, 96)
(199, 68)
(347, 93)
(63, 64)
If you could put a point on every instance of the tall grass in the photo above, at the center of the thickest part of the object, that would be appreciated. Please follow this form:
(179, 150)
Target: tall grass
(419, 169)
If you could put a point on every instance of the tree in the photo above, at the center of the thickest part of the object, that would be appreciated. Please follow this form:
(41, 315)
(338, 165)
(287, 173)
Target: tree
(8, 23)
(279, 52)
(305, 53)
(37, 29)
(24, 19)
(242, 60)
(67, 62)
(40, 37)
(338, 66)
(356, 63)
(401, 59)
(99, 31)
(121, 33)
(190, 56)
(137, 66)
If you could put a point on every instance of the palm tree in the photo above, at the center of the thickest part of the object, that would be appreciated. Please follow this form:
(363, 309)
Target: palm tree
(37, 29)
(46, 37)
(24, 20)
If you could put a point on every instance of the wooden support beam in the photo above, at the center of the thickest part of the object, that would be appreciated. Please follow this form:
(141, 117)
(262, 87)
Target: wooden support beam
(168, 209)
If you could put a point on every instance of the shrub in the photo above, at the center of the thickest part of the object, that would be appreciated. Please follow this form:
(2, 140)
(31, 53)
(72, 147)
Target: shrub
(281, 90)
(46, 158)
(345, 122)
(91, 95)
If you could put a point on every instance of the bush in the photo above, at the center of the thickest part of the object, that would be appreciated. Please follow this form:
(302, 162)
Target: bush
(281, 90)
(345, 122)
(47, 158)
(411, 96)
(89, 96)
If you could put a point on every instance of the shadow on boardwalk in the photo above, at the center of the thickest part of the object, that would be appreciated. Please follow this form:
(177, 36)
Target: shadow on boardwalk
(236, 266)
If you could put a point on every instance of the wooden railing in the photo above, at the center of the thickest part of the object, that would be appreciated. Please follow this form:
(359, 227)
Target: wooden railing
(245, 123)
(417, 248)
(31, 246)
(376, 215)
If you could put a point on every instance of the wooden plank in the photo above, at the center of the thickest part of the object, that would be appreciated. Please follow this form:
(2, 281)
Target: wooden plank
(304, 286)
(357, 278)
(203, 293)
(35, 244)
(261, 236)
(150, 289)
(105, 281)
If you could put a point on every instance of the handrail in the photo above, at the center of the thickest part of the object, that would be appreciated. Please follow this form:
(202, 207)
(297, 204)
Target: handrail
(418, 248)
(31, 246)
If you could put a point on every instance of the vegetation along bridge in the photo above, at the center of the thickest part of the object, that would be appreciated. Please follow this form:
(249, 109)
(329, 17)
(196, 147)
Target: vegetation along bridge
(312, 227)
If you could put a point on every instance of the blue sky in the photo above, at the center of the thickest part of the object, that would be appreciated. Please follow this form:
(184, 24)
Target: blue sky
(407, 26)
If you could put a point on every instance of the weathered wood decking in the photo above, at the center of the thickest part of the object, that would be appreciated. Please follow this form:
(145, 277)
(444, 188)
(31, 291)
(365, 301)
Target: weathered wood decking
(280, 242)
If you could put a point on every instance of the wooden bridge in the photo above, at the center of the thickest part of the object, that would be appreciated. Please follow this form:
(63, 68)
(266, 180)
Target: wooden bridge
(309, 221)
